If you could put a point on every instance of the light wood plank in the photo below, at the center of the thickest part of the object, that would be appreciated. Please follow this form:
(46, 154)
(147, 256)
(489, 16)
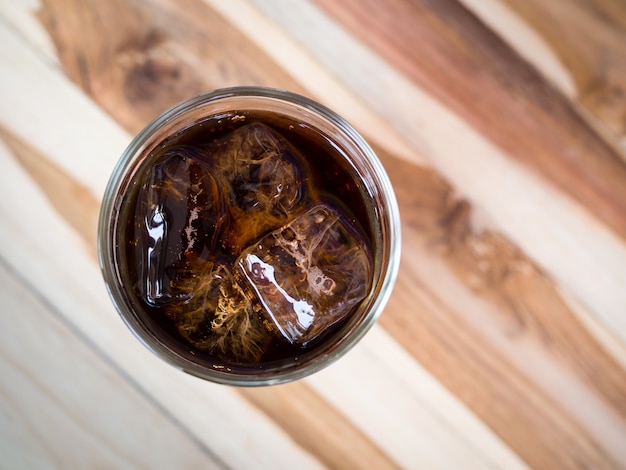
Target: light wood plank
(542, 401)
(551, 42)
(63, 406)
(21, 15)
(70, 147)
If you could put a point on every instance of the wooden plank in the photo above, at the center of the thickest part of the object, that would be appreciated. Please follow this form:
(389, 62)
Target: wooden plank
(477, 312)
(311, 75)
(502, 371)
(64, 406)
(70, 148)
(526, 41)
(564, 239)
(589, 37)
(139, 72)
(63, 265)
(297, 409)
(399, 404)
(518, 316)
(298, 418)
(21, 15)
(321, 428)
(494, 90)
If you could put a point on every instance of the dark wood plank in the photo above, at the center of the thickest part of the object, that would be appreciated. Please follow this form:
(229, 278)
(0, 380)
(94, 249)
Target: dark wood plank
(446, 50)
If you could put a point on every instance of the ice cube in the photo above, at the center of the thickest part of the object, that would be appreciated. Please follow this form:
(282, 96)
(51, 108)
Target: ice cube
(309, 274)
(263, 174)
(218, 317)
(179, 217)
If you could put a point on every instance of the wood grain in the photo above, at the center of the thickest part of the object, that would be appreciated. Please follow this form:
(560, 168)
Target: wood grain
(518, 305)
(62, 405)
(122, 101)
(75, 202)
(481, 359)
(294, 406)
(486, 263)
(66, 278)
(148, 63)
(589, 38)
(310, 419)
(189, 405)
(561, 236)
(503, 97)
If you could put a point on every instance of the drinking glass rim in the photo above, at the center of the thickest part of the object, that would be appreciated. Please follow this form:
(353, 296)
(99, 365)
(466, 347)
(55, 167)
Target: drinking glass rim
(135, 152)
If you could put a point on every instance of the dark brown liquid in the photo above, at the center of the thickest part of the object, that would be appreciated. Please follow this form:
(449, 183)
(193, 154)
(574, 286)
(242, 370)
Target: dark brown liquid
(171, 277)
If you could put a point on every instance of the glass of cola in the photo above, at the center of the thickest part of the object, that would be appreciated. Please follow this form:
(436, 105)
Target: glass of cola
(249, 236)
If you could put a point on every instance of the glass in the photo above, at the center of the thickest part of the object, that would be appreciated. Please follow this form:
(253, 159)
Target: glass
(233, 104)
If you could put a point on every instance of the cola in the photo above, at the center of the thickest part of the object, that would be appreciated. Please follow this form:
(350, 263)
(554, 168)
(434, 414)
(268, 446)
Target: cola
(246, 238)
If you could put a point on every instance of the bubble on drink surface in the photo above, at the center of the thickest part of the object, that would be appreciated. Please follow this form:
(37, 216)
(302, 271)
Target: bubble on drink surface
(219, 317)
(179, 217)
(263, 174)
(309, 274)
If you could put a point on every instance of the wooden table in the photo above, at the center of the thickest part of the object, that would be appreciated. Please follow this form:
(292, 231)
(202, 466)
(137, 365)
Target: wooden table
(502, 126)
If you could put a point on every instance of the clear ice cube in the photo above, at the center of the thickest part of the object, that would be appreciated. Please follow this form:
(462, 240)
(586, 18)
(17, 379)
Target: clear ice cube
(309, 274)
(180, 216)
(263, 178)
